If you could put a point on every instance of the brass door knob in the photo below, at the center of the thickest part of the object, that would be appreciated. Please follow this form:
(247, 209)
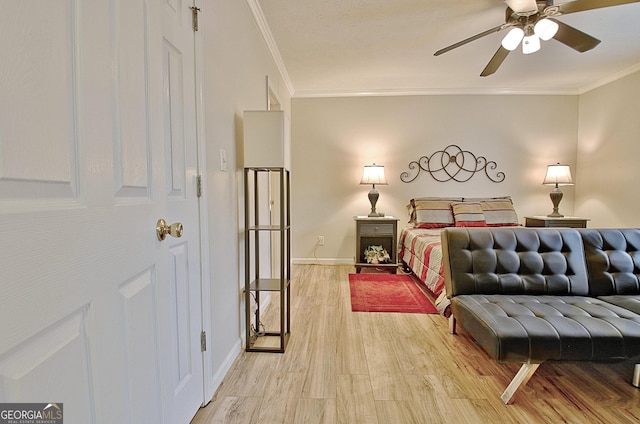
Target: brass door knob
(162, 229)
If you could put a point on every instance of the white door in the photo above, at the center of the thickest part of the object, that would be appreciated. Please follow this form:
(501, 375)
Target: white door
(97, 142)
(180, 257)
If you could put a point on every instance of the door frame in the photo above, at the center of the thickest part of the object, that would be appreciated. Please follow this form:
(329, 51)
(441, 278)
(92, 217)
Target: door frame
(208, 390)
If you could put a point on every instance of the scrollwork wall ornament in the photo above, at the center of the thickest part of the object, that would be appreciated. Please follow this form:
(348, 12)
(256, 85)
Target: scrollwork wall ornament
(452, 164)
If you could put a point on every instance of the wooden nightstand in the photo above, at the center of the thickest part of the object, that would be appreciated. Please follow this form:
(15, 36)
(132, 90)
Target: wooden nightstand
(546, 221)
(376, 231)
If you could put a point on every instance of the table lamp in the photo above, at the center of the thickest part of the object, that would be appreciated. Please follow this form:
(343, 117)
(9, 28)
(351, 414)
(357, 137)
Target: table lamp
(557, 175)
(374, 174)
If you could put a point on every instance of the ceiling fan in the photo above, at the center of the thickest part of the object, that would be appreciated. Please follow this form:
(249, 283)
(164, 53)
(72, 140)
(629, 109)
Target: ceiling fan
(531, 21)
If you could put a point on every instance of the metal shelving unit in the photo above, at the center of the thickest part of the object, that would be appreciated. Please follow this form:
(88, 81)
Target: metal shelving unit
(280, 237)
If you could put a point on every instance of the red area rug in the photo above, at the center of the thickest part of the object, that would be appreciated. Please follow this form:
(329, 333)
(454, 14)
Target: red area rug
(388, 293)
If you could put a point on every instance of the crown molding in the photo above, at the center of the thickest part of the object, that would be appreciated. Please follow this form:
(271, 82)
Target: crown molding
(432, 92)
(263, 26)
(611, 78)
(470, 91)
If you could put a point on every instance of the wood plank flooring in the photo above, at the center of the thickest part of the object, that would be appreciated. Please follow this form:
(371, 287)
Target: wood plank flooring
(357, 367)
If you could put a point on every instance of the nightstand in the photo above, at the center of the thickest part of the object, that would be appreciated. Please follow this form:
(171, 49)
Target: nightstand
(547, 221)
(376, 231)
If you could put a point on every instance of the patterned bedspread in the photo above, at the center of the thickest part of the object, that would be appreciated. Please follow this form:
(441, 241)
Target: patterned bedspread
(421, 251)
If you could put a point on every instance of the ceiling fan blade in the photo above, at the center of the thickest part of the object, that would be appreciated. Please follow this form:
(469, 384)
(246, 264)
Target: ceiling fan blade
(522, 6)
(468, 40)
(495, 61)
(582, 5)
(574, 38)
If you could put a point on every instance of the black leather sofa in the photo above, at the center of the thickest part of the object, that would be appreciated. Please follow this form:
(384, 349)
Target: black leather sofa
(531, 295)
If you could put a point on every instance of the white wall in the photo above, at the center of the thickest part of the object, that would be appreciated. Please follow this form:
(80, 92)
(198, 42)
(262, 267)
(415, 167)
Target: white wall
(608, 151)
(237, 62)
(333, 138)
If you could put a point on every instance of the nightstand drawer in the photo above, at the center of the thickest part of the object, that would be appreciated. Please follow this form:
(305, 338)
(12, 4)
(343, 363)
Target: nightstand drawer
(377, 229)
(566, 224)
(550, 222)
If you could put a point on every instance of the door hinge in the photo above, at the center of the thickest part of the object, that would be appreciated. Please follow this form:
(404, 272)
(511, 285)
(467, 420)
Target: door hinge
(194, 17)
(199, 185)
(203, 341)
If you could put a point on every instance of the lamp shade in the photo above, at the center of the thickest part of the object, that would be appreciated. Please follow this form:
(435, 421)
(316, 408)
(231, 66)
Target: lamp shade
(267, 141)
(373, 174)
(513, 38)
(546, 29)
(530, 44)
(558, 175)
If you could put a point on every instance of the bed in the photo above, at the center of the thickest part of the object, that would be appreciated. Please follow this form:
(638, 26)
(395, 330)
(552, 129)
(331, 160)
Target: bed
(421, 255)
(419, 246)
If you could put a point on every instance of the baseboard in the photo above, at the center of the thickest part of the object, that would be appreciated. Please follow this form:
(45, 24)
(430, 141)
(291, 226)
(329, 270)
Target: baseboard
(216, 380)
(322, 261)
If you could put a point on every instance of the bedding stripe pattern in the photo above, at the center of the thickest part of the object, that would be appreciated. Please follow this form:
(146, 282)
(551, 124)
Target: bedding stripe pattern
(468, 214)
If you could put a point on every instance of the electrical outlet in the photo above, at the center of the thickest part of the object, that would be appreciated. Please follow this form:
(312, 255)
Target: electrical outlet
(321, 240)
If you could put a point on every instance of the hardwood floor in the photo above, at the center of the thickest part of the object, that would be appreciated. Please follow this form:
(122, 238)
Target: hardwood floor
(354, 367)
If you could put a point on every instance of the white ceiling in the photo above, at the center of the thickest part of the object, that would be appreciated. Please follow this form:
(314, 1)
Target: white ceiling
(359, 47)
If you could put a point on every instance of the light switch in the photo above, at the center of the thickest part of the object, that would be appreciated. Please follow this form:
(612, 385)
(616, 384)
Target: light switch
(223, 160)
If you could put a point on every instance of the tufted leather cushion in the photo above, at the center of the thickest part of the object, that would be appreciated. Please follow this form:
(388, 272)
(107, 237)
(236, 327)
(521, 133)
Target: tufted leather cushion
(613, 261)
(627, 301)
(523, 328)
(523, 293)
(513, 261)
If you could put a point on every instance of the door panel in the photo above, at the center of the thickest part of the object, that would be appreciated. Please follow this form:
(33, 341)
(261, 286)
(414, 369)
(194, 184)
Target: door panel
(131, 102)
(62, 345)
(45, 170)
(139, 310)
(174, 119)
(180, 329)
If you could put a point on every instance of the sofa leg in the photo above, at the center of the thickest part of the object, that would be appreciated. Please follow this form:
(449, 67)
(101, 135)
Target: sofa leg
(521, 378)
(636, 376)
(452, 324)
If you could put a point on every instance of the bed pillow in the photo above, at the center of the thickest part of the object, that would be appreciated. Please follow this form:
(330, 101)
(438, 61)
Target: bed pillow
(432, 213)
(450, 199)
(468, 214)
(499, 213)
(486, 199)
(411, 207)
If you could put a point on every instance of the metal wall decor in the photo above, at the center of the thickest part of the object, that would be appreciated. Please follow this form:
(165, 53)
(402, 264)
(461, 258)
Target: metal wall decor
(452, 163)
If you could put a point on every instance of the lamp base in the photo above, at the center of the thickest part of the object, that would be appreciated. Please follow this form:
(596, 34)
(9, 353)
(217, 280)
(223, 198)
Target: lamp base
(375, 214)
(556, 197)
(555, 215)
(373, 199)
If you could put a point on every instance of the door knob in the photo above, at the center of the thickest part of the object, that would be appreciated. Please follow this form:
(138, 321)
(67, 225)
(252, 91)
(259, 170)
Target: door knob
(162, 229)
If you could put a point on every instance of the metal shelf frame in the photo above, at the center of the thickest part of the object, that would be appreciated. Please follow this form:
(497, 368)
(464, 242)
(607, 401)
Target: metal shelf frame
(254, 282)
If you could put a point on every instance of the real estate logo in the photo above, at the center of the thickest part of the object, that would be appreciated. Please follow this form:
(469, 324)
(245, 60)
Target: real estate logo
(31, 413)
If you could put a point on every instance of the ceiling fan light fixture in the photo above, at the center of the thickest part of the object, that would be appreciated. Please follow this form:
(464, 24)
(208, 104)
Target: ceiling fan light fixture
(513, 38)
(530, 44)
(546, 29)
